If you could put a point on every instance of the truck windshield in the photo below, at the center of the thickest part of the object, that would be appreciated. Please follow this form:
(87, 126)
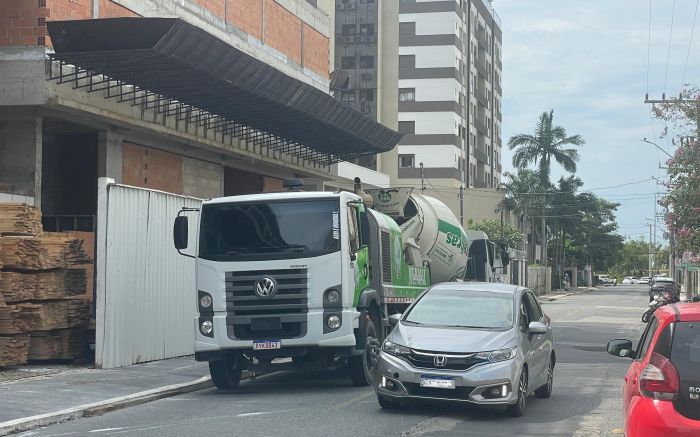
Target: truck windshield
(269, 230)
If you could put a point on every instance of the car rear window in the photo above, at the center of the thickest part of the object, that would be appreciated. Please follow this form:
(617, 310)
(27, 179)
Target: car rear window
(685, 355)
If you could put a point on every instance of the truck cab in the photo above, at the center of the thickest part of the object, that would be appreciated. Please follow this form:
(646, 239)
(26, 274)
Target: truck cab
(300, 275)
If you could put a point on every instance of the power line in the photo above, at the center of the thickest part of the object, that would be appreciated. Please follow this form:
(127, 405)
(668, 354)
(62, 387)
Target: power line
(690, 44)
(670, 38)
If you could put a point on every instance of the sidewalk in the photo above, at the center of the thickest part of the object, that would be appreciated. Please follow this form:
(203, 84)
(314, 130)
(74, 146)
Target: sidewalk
(82, 391)
(558, 294)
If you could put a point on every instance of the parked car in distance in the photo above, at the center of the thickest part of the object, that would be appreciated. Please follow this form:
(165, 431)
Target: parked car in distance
(644, 280)
(661, 392)
(630, 280)
(662, 284)
(478, 343)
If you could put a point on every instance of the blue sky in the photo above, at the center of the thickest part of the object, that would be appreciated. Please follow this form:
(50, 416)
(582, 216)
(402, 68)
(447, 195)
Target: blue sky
(587, 60)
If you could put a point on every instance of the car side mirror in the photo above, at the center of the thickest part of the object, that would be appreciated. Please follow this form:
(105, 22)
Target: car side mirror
(536, 328)
(394, 319)
(620, 348)
(180, 232)
(353, 256)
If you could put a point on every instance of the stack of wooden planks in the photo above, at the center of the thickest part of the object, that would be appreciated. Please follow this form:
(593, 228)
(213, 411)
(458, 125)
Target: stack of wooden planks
(19, 219)
(44, 313)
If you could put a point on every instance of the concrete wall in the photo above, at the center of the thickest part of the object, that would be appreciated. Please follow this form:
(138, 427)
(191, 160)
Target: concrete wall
(202, 179)
(20, 158)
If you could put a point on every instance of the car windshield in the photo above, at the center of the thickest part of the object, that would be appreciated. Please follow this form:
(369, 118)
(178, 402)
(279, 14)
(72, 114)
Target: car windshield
(277, 229)
(463, 308)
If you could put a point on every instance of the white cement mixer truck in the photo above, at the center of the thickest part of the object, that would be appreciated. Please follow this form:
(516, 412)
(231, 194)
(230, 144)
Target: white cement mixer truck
(309, 279)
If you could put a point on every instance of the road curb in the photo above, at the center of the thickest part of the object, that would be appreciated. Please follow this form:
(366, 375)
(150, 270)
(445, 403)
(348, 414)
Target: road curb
(561, 296)
(101, 407)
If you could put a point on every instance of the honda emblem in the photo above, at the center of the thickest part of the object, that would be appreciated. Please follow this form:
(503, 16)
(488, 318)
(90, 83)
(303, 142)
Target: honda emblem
(440, 360)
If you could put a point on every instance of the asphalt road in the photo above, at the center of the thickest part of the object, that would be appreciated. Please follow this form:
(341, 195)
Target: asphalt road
(585, 402)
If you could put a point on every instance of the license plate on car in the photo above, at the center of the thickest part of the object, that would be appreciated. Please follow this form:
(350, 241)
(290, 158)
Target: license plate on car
(259, 345)
(434, 381)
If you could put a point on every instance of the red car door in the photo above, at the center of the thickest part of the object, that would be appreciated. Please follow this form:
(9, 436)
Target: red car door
(631, 387)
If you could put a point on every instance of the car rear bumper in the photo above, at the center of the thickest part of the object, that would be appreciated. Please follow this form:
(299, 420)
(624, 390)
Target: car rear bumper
(399, 380)
(651, 418)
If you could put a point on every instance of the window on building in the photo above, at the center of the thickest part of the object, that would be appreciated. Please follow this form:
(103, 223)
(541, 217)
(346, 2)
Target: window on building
(366, 95)
(349, 29)
(347, 62)
(407, 161)
(407, 94)
(407, 61)
(347, 96)
(407, 127)
(366, 61)
(408, 28)
(367, 28)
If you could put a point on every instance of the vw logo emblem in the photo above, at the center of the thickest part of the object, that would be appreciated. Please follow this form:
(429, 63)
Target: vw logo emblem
(440, 360)
(265, 287)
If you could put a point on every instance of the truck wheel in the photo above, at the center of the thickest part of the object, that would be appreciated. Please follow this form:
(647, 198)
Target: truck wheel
(363, 367)
(225, 374)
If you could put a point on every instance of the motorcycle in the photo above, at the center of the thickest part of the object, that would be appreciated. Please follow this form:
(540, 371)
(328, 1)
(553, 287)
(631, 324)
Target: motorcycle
(660, 298)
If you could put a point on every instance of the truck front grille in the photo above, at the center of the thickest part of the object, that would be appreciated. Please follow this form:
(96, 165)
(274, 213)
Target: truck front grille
(281, 315)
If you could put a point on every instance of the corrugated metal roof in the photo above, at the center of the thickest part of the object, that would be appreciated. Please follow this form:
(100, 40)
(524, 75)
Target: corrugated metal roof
(173, 58)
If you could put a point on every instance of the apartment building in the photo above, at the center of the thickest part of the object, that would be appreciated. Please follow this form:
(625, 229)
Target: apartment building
(449, 98)
(364, 45)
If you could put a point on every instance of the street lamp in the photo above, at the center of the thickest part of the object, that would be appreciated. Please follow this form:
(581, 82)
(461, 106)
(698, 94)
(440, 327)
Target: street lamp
(657, 146)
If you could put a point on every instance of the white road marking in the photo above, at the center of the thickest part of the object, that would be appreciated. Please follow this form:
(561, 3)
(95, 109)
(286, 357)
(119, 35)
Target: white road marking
(253, 414)
(107, 429)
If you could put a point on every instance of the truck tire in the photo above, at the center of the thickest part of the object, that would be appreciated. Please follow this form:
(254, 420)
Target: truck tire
(363, 367)
(225, 374)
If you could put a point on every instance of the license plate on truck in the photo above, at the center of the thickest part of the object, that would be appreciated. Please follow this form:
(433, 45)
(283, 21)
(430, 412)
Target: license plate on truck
(434, 381)
(261, 345)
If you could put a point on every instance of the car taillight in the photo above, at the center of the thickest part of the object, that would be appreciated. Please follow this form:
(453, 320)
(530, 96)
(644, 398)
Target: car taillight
(660, 379)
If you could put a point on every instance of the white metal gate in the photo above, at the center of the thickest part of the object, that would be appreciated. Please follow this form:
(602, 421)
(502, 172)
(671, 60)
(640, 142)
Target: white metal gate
(146, 299)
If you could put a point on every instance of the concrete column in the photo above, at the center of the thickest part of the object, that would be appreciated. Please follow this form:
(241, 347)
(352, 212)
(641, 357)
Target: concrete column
(110, 155)
(20, 160)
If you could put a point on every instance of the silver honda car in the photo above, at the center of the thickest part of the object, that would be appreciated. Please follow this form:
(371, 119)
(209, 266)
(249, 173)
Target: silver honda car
(479, 343)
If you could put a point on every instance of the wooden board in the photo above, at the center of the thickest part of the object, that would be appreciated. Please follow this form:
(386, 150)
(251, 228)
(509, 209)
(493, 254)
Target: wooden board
(44, 285)
(60, 344)
(14, 349)
(62, 314)
(18, 319)
(19, 219)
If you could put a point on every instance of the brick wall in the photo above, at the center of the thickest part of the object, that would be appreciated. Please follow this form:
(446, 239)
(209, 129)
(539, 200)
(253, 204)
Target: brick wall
(316, 50)
(69, 9)
(151, 168)
(22, 22)
(217, 7)
(110, 9)
(246, 15)
(285, 34)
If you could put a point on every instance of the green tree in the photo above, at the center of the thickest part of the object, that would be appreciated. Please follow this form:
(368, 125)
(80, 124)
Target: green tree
(546, 143)
(502, 234)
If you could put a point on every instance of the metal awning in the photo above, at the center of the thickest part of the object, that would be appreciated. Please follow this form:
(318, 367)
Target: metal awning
(187, 69)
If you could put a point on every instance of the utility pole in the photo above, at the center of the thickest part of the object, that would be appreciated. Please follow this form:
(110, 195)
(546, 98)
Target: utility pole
(461, 204)
(679, 101)
(651, 275)
(422, 179)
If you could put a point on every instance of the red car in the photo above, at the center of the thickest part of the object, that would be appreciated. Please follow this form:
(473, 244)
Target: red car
(661, 395)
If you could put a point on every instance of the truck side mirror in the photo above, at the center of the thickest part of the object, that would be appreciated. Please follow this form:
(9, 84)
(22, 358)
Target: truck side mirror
(180, 232)
(505, 257)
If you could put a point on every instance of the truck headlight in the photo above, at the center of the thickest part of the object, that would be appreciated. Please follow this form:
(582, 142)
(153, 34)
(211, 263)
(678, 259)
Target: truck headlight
(333, 322)
(206, 328)
(205, 301)
(332, 296)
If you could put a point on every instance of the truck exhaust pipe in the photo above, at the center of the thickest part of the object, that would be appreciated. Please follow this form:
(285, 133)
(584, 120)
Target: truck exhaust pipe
(366, 198)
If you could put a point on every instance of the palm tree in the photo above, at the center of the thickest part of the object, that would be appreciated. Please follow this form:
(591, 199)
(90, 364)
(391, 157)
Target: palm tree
(547, 142)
